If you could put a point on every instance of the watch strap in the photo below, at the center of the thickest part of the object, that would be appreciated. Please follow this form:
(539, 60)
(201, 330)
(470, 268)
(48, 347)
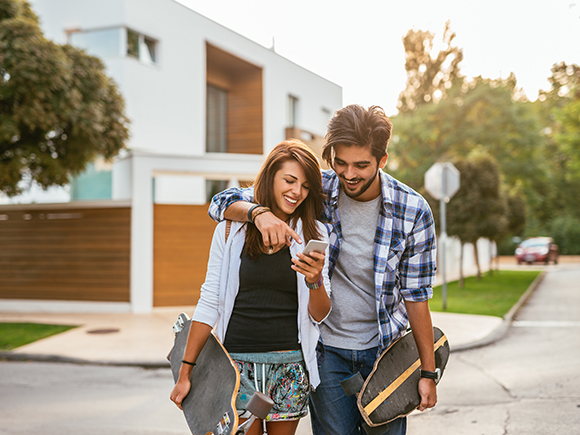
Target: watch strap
(431, 375)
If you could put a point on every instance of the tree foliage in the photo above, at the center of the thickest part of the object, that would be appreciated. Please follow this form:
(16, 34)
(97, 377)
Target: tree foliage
(429, 76)
(559, 112)
(536, 145)
(58, 109)
(479, 208)
(481, 113)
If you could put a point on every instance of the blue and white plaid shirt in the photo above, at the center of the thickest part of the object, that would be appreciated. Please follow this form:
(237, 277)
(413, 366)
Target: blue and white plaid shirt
(405, 250)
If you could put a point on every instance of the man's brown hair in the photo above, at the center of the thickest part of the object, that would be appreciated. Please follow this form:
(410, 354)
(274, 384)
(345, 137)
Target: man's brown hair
(355, 125)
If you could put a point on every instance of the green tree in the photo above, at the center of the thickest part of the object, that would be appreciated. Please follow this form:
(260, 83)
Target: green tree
(516, 210)
(482, 112)
(429, 76)
(559, 112)
(58, 109)
(478, 209)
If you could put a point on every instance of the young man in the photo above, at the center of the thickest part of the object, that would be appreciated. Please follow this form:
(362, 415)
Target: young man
(382, 263)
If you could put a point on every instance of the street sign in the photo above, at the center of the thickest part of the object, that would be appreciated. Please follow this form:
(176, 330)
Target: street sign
(442, 180)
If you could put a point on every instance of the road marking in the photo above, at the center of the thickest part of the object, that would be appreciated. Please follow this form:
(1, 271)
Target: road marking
(547, 323)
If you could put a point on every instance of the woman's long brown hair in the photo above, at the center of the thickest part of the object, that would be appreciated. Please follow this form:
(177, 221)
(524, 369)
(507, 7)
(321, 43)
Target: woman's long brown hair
(310, 208)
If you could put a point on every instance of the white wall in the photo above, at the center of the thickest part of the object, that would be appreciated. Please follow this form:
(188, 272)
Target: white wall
(166, 102)
(179, 189)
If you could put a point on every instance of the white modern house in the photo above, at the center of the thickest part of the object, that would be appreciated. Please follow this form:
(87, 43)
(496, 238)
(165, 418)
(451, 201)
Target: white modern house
(206, 105)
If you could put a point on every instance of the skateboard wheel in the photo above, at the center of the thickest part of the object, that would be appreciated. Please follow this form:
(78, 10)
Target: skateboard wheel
(353, 384)
(377, 430)
(260, 405)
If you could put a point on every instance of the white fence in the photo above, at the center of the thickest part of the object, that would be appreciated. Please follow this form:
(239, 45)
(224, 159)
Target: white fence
(485, 250)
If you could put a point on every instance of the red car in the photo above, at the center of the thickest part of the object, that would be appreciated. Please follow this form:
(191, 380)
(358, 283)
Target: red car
(537, 250)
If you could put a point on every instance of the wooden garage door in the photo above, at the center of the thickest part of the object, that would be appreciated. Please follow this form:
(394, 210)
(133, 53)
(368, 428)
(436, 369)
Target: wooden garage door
(181, 242)
(65, 254)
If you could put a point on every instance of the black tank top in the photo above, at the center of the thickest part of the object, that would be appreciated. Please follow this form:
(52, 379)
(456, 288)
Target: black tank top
(265, 314)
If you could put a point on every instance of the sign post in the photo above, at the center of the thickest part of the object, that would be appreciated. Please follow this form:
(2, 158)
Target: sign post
(442, 181)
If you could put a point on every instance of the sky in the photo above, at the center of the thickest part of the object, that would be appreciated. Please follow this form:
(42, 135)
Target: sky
(358, 44)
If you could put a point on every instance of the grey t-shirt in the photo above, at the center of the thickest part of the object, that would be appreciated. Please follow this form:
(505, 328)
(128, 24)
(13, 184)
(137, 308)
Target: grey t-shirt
(352, 323)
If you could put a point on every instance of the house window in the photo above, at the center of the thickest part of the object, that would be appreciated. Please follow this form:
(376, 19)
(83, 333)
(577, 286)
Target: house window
(213, 187)
(216, 120)
(114, 42)
(101, 43)
(132, 44)
(141, 47)
(292, 111)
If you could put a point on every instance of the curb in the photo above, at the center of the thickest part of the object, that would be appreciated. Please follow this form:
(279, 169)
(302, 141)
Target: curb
(502, 329)
(11, 356)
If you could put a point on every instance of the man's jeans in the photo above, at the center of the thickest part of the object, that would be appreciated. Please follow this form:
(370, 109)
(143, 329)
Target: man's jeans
(332, 411)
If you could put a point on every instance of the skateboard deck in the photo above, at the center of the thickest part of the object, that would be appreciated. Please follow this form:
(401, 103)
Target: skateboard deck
(210, 406)
(391, 390)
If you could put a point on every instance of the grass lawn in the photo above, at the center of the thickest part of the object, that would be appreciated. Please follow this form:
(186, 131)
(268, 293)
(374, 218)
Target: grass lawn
(494, 295)
(13, 335)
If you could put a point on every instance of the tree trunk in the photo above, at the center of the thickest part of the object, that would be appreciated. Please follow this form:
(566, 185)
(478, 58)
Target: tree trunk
(491, 258)
(477, 261)
(461, 283)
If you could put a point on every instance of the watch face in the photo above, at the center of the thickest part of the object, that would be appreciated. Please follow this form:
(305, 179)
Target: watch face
(431, 375)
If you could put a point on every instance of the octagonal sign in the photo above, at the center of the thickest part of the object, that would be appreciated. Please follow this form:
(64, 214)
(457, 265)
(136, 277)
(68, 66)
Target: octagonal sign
(442, 180)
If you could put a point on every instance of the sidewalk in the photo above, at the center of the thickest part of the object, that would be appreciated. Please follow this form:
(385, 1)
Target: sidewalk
(145, 339)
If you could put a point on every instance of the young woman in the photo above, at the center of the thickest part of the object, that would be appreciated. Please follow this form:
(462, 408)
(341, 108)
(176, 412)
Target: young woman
(266, 304)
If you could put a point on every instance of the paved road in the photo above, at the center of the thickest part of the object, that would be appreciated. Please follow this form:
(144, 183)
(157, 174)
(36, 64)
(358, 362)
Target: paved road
(528, 383)
(63, 399)
(69, 399)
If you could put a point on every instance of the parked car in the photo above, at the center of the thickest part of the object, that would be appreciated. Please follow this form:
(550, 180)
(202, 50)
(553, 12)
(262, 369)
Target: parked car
(537, 250)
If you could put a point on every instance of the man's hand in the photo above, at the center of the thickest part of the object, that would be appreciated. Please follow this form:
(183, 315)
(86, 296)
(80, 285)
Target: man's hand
(275, 232)
(422, 327)
(428, 393)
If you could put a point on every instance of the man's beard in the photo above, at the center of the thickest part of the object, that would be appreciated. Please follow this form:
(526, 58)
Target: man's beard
(363, 189)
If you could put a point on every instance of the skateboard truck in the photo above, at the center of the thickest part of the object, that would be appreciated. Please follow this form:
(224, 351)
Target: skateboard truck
(180, 323)
(259, 406)
(177, 328)
(352, 386)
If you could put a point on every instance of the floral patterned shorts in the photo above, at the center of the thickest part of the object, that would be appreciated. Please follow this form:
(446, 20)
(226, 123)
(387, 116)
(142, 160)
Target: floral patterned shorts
(282, 376)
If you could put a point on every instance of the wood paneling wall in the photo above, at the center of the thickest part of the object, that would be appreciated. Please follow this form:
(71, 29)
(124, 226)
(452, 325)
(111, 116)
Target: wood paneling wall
(245, 115)
(181, 243)
(313, 141)
(243, 82)
(65, 254)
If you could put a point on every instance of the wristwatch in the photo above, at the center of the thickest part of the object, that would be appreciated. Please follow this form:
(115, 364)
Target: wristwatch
(436, 375)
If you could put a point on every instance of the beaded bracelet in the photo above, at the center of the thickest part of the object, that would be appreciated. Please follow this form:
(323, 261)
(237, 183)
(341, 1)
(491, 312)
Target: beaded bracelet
(314, 285)
(264, 209)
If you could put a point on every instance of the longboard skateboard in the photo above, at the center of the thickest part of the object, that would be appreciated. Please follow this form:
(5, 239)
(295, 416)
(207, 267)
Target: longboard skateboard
(210, 406)
(391, 389)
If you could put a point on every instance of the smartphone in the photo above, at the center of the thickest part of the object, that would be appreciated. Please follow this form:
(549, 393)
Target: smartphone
(315, 245)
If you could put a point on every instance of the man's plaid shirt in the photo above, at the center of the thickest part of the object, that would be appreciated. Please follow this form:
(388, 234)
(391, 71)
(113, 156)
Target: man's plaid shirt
(405, 248)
